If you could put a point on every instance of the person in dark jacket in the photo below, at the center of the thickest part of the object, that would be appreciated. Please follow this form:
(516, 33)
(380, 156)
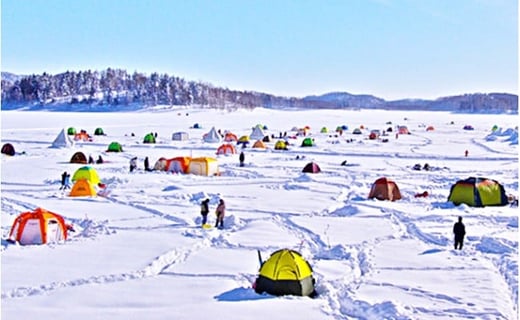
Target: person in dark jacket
(65, 181)
(204, 210)
(459, 230)
(220, 212)
(241, 158)
(147, 164)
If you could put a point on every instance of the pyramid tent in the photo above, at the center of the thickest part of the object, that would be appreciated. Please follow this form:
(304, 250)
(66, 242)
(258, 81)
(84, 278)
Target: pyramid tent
(62, 140)
(83, 188)
(311, 167)
(99, 132)
(212, 136)
(78, 157)
(88, 173)
(384, 189)
(286, 272)
(266, 139)
(257, 133)
(115, 147)
(478, 192)
(38, 227)
(8, 149)
(149, 138)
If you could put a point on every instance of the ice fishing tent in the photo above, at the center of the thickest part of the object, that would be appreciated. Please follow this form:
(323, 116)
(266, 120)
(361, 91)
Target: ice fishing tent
(357, 131)
(180, 136)
(212, 136)
(8, 149)
(115, 147)
(384, 189)
(38, 227)
(88, 173)
(71, 131)
(280, 145)
(62, 140)
(478, 192)
(286, 272)
(307, 142)
(203, 166)
(230, 137)
(99, 132)
(324, 130)
(83, 188)
(259, 144)
(82, 135)
(177, 164)
(403, 130)
(149, 138)
(311, 167)
(226, 149)
(257, 133)
(78, 157)
(468, 127)
(430, 128)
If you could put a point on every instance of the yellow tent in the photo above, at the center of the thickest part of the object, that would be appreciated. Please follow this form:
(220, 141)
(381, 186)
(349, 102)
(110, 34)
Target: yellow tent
(88, 173)
(203, 166)
(285, 272)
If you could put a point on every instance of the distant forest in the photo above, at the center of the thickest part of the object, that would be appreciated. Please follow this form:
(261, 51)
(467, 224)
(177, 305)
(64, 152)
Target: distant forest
(116, 87)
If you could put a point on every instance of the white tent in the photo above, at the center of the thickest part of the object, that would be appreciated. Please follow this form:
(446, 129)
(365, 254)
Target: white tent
(257, 134)
(212, 136)
(63, 140)
(180, 136)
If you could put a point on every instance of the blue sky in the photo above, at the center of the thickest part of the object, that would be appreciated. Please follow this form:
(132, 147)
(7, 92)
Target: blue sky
(389, 48)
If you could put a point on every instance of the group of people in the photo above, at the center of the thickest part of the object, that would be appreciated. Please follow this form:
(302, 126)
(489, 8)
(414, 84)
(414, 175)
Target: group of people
(133, 164)
(220, 212)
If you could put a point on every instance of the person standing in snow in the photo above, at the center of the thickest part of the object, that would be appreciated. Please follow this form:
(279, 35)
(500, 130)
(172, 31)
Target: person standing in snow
(147, 164)
(204, 210)
(459, 230)
(133, 164)
(241, 158)
(220, 212)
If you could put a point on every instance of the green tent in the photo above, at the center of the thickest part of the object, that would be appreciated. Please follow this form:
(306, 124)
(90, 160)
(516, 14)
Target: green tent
(98, 132)
(71, 131)
(149, 138)
(324, 130)
(307, 142)
(115, 147)
(286, 272)
(478, 192)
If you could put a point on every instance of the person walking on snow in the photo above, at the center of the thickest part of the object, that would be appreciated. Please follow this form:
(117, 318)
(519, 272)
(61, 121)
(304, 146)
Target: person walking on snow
(65, 181)
(220, 212)
(204, 210)
(459, 230)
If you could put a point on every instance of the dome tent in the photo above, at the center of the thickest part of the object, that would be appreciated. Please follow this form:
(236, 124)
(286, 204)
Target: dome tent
(384, 189)
(99, 132)
(478, 192)
(115, 147)
(38, 227)
(286, 272)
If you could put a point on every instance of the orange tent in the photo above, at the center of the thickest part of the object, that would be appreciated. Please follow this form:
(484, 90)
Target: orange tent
(38, 227)
(384, 189)
(230, 137)
(226, 149)
(259, 144)
(82, 188)
(83, 136)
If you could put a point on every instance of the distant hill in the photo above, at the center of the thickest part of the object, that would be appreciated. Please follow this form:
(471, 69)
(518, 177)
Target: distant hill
(103, 90)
